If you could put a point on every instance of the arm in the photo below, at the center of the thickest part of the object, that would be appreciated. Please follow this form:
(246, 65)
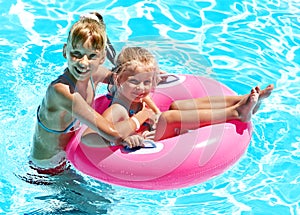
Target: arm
(92, 138)
(79, 108)
(118, 115)
(150, 103)
(153, 121)
(102, 75)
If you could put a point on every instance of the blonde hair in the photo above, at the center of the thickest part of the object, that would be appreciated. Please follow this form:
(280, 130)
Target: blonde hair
(90, 28)
(132, 57)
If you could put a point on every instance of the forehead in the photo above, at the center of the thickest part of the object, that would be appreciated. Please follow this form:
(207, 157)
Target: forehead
(82, 45)
(139, 72)
(85, 47)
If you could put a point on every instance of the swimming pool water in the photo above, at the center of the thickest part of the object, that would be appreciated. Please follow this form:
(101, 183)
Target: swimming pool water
(241, 43)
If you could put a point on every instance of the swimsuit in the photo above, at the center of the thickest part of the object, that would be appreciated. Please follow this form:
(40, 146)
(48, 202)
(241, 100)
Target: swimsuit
(66, 130)
(71, 126)
(131, 112)
(53, 166)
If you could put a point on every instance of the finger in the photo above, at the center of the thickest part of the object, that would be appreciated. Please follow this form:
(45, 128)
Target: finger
(140, 141)
(136, 141)
(144, 105)
(125, 143)
(128, 142)
(149, 135)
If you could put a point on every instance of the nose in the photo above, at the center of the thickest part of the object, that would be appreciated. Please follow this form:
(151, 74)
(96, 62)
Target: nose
(84, 61)
(141, 87)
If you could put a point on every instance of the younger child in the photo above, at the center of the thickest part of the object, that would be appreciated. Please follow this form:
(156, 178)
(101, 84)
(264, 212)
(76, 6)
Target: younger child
(69, 99)
(134, 78)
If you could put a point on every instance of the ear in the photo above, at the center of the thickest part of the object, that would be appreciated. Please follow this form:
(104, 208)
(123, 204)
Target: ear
(102, 61)
(65, 51)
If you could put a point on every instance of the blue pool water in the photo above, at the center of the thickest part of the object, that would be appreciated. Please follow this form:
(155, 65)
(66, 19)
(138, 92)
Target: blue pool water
(241, 43)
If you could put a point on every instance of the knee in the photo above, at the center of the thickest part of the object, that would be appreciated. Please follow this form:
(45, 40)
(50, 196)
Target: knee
(174, 106)
(168, 116)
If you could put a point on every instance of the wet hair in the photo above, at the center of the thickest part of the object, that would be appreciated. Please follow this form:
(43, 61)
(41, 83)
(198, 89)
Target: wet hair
(132, 57)
(89, 28)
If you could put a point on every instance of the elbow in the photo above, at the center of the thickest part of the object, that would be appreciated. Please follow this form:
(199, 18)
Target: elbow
(170, 116)
(113, 134)
(174, 106)
(112, 131)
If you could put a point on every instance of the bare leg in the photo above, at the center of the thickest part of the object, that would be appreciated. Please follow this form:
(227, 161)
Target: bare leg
(171, 122)
(217, 102)
(208, 102)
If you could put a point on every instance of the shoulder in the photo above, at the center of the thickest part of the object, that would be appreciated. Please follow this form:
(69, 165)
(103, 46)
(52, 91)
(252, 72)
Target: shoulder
(59, 89)
(117, 109)
(59, 95)
(115, 112)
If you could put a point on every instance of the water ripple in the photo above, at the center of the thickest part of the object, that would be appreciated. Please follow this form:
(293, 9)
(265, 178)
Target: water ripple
(240, 43)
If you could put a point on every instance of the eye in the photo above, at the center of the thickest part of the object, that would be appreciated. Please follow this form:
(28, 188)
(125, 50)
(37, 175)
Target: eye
(147, 82)
(76, 54)
(133, 81)
(92, 56)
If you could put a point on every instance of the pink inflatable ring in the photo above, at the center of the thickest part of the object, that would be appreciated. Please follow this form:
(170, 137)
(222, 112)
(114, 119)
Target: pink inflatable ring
(177, 162)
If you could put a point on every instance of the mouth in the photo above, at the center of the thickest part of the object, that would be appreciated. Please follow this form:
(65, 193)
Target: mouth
(140, 96)
(81, 72)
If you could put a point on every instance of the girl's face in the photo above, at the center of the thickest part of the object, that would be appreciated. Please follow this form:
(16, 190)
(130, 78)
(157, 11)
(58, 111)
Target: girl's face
(83, 60)
(135, 85)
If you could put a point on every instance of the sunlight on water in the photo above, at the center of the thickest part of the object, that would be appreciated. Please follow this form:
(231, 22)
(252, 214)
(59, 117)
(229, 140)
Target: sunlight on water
(240, 43)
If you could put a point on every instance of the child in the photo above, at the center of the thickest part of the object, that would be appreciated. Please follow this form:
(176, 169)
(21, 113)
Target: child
(69, 99)
(135, 76)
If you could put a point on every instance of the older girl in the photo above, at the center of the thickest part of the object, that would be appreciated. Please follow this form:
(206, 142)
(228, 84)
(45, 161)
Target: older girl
(69, 99)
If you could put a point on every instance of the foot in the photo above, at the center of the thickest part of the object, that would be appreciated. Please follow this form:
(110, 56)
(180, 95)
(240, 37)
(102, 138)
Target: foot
(262, 95)
(246, 106)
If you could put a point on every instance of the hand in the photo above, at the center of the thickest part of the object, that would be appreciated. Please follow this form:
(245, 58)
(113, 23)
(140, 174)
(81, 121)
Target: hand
(149, 103)
(151, 114)
(153, 121)
(133, 141)
(149, 135)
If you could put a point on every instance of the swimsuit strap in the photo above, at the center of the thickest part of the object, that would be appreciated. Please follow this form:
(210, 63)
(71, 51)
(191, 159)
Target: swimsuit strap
(69, 80)
(93, 85)
(74, 85)
(131, 112)
(66, 130)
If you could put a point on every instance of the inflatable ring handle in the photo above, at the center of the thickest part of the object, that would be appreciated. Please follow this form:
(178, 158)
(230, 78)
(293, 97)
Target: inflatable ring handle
(165, 81)
(149, 144)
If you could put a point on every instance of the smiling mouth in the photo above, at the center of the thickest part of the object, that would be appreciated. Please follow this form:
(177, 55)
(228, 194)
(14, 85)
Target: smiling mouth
(140, 96)
(80, 72)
